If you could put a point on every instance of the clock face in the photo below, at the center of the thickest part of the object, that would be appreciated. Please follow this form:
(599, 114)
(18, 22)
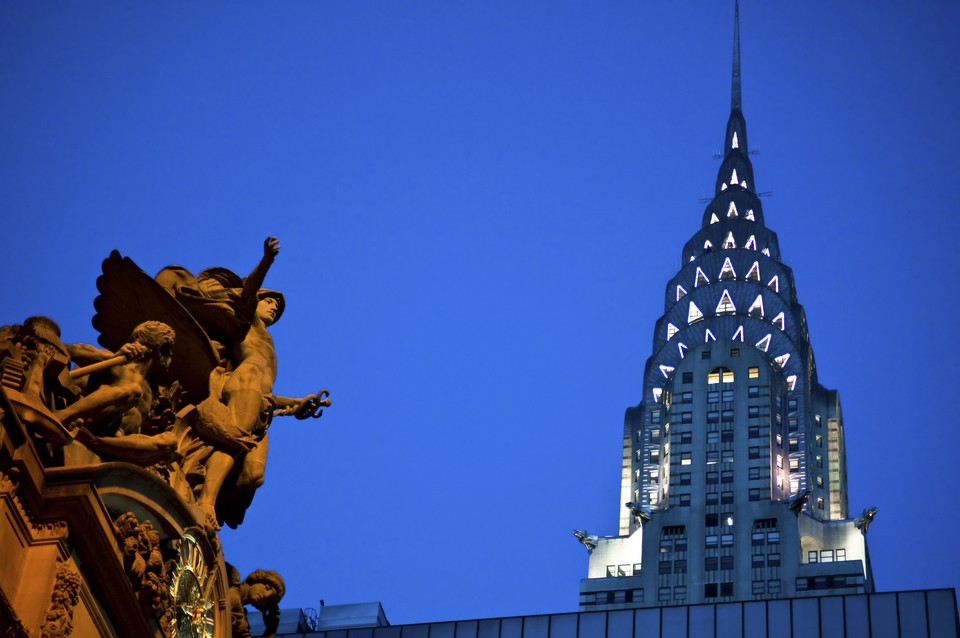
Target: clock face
(192, 587)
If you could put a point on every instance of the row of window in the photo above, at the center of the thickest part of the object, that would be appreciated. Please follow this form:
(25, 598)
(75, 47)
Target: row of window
(826, 555)
(623, 570)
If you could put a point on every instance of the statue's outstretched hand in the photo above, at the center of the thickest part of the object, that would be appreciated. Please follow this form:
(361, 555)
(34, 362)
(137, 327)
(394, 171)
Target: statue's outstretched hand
(271, 247)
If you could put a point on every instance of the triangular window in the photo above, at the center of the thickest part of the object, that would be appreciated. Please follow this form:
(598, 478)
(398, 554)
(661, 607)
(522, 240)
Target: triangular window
(681, 291)
(666, 370)
(726, 304)
(733, 177)
(738, 334)
(765, 343)
(701, 278)
(713, 218)
(707, 246)
(694, 314)
(682, 348)
(727, 272)
(708, 336)
(782, 359)
(780, 321)
(736, 142)
(729, 242)
(792, 382)
(732, 211)
(693, 257)
(671, 330)
(744, 183)
(766, 251)
(749, 215)
(723, 187)
(751, 243)
(757, 305)
(774, 284)
(754, 273)
(657, 393)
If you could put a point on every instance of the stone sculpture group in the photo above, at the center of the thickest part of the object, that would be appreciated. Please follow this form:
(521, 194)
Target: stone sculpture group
(181, 385)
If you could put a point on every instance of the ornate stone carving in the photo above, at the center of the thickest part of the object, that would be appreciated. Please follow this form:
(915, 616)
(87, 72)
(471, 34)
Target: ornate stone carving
(262, 589)
(58, 621)
(144, 564)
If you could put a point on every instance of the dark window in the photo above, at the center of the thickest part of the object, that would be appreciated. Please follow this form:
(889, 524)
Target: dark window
(688, 377)
(711, 520)
(686, 437)
(710, 540)
(773, 560)
(756, 452)
(727, 415)
(711, 564)
(711, 498)
(792, 405)
(726, 589)
(663, 594)
(683, 500)
(727, 395)
(757, 560)
(710, 590)
(686, 417)
(713, 396)
(754, 433)
(757, 587)
(753, 410)
(726, 562)
(753, 391)
(726, 476)
(726, 498)
(713, 417)
(685, 478)
(728, 436)
(705, 354)
(666, 567)
(734, 352)
(680, 566)
(713, 478)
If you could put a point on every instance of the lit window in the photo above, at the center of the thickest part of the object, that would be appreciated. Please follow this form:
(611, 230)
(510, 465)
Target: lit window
(726, 304)
(681, 291)
(764, 343)
(723, 187)
(701, 278)
(707, 246)
(780, 321)
(754, 273)
(819, 461)
(694, 314)
(665, 370)
(757, 306)
(693, 258)
(794, 463)
(779, 440)
(733, 177)
(738, 334)
(841, 554)
(726, 375)
(792, 382)
(820, 481)
(751, 243)
(782, 359)
(780, 461)
(819, 440)
(826, 555)
(766, 251)
(735, 143)
(657, 393)
(774, 284)
(727, 272)
(713, 377)
(685, 458)
(683, 349)
(732, 211)
(708, 336)
(744, 183)
(713, 218)
(749, 215)
(729, 242)
(712, 459)
(671, 330)
(753, 372)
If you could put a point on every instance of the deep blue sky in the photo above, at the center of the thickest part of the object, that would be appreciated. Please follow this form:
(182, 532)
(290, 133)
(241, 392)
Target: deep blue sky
(479, 206)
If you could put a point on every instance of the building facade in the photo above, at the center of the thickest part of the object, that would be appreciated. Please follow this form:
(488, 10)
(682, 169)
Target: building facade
(733, 477)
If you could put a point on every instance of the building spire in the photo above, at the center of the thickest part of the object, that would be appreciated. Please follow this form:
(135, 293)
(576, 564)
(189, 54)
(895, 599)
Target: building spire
(735, 92)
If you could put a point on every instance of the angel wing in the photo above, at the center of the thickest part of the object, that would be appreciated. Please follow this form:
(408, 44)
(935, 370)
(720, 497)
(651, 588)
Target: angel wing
(128, 297)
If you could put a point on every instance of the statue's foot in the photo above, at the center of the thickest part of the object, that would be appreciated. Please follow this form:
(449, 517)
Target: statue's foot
(210, 524)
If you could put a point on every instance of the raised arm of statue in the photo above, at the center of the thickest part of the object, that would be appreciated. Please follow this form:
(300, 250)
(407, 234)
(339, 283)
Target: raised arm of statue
(254, 281)
(84, 354)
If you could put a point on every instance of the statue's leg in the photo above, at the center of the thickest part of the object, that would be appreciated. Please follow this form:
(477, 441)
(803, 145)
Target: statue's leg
(215, 473)
(133, 448)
